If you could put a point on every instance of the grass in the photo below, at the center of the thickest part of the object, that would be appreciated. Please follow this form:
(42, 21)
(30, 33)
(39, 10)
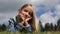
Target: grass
(46, 32)
(50, 32)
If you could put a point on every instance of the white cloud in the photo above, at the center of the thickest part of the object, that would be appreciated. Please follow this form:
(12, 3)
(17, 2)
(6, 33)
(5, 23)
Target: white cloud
(57, 11)
(47, 3)
(48, 18)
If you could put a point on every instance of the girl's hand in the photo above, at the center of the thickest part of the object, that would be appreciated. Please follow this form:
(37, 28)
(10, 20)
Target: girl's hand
(26, 21)
(23, 18)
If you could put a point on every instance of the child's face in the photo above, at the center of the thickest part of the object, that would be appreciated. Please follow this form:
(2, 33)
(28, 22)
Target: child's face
(25, 11)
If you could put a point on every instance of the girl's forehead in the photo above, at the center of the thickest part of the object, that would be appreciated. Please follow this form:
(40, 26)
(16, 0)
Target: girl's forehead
(29, 8)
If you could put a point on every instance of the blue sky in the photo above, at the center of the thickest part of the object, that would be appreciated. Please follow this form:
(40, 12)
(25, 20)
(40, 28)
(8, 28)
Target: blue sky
(47, 9)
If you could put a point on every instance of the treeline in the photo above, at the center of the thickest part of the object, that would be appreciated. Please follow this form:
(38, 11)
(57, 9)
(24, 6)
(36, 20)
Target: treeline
(2, 27)
(50, 27)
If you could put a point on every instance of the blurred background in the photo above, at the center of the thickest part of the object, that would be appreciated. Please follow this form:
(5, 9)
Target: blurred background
(47, 12)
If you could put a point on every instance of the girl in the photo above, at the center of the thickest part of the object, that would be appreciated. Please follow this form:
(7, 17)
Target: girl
(25, 20)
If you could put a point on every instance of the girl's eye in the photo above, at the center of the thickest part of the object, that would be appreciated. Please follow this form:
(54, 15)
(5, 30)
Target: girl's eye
(25, 10)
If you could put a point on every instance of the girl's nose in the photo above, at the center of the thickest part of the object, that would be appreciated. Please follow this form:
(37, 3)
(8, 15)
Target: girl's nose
(27, 15)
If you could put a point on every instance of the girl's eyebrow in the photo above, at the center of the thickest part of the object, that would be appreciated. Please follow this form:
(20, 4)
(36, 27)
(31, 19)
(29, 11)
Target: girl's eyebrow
(28, 10)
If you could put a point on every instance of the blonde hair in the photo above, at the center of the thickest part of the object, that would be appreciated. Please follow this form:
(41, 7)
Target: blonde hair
(33, 21)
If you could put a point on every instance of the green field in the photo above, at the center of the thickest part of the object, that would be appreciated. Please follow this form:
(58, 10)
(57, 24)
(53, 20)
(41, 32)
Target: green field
(48, 32)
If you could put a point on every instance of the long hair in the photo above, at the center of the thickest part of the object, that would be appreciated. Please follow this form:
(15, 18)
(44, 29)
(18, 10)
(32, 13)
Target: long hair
(33, 21)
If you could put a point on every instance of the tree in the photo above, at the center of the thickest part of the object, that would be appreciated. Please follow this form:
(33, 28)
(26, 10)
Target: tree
(55, 27)
(51, 26)
(47, 26)
(41, 27)
(58, 21)
(0, 27)
(58, 24)
(3, 27)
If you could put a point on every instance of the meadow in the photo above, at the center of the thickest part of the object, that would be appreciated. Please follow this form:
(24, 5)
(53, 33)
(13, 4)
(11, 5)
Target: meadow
(46, 32)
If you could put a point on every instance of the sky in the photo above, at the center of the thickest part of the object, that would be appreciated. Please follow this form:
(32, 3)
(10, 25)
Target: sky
(46, 10)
